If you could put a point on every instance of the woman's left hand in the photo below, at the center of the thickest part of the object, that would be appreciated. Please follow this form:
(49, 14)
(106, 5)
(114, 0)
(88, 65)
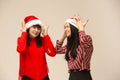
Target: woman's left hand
(80, 23)
(45, 30)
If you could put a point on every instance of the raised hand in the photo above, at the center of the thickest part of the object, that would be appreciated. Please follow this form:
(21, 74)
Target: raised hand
(80, 23)
(45, 30)
(23, 26)
(63, 37)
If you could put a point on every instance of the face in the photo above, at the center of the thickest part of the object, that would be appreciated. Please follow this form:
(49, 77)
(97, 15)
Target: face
(34, 31)
(67, 29)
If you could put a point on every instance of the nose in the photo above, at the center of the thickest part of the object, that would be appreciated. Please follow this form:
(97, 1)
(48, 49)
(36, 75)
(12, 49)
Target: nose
(36, 29)
(65, 29)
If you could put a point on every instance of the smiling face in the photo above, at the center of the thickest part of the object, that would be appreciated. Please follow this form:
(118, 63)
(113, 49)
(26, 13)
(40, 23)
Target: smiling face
(67, 29)
(34, 31)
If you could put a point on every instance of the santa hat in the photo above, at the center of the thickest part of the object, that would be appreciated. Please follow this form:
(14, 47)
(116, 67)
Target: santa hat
(72, 21)
(32, 20)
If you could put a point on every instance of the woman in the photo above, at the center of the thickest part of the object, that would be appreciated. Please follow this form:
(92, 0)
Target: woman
(32, 48)
(78, 50)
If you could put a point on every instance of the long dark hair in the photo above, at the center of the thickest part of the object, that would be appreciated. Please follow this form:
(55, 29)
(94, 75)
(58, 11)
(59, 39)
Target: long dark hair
(38, 39)
(72, 43)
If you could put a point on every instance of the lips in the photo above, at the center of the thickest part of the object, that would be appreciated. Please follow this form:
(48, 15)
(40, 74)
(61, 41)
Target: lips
(67, 32)
(35, 34)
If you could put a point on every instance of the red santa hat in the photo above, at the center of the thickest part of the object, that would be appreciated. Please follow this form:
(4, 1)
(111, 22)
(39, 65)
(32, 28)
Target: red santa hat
(72, 21)
(32, 20)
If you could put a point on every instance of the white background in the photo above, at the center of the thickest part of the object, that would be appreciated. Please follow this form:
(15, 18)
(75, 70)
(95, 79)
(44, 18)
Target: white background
(103, 26)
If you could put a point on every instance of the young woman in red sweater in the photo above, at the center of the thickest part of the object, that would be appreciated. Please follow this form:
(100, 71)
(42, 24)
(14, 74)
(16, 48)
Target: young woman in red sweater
(78, 50)
(32, 48)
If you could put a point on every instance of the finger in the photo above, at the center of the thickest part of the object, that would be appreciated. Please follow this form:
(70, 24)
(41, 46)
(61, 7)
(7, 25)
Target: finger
(85, 22)
(46, 26)
(77, 18)
(20, 30)
(43, 31)
(23, 24)
(74, 15)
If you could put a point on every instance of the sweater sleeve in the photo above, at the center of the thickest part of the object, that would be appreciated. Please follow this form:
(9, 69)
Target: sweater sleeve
(49, 48)
(21, 42)
(86, 40)
(59, 48)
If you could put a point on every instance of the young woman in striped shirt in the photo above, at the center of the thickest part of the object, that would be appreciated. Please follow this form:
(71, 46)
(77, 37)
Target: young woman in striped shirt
(78, 50)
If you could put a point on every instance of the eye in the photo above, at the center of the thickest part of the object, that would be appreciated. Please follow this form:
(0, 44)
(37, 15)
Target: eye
(65, 26)
(38, 27)
(34, 27)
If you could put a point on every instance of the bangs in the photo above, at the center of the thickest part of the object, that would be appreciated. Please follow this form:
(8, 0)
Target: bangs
(37, 25)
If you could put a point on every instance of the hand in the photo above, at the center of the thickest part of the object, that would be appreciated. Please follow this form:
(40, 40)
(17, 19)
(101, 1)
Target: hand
(23, 26)
(64, 35)
(62, 38)
(80, 23)
(45, 30)
(84, 24)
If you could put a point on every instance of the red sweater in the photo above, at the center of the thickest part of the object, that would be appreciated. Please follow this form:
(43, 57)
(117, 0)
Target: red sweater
(32, 59)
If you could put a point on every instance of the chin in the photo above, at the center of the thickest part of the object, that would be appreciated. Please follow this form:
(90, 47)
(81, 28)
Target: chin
(34, 36)
(68, 35)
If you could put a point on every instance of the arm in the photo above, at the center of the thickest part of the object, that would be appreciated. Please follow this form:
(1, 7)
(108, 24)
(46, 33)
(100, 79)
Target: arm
(49, 48)
(21, 41)
(86, 40)
(59, 48)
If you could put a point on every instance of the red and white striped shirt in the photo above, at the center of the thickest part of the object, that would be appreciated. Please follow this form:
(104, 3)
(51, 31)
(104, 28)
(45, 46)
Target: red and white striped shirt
(84, 52)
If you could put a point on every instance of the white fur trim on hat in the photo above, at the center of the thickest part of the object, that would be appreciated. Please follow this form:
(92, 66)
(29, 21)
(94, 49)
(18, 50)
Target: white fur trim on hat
(33, 22)
(72, 22)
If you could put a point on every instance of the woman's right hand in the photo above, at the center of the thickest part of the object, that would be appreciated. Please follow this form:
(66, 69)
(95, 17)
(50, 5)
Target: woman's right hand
(63, 37)
(64, 34)
(23, 26)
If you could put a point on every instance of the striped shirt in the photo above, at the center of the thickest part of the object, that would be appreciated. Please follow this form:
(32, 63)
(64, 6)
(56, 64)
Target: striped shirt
(84, 52)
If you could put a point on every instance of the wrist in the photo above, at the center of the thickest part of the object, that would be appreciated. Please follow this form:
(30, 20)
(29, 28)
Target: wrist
(81, 28)
(23, 30)
(63, 36)
(45, 33)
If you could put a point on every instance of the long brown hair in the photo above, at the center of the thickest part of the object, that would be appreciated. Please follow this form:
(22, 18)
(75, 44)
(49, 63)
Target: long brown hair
(72, 43)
